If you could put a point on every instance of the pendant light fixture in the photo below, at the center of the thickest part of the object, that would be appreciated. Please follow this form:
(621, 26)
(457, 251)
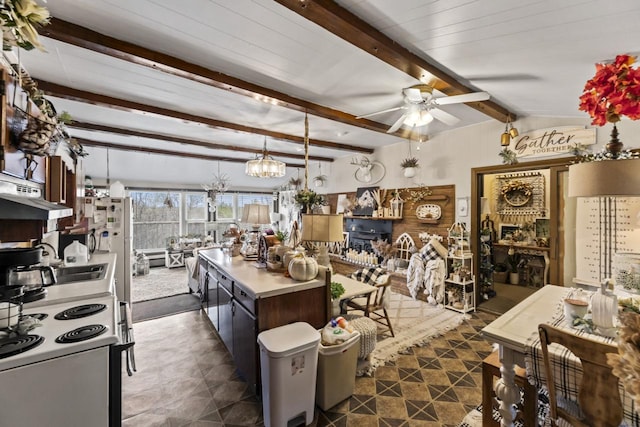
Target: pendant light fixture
(265, 166)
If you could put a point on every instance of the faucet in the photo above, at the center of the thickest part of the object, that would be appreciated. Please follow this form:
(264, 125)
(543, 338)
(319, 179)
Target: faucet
(43, 244)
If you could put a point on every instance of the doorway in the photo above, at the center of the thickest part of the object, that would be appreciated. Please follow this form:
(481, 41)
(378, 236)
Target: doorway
(525, 207)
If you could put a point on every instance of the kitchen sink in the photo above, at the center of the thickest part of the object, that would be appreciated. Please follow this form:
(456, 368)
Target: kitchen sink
(80, 273)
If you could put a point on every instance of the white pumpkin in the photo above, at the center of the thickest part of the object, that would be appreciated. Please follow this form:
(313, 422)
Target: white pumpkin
(303, 268)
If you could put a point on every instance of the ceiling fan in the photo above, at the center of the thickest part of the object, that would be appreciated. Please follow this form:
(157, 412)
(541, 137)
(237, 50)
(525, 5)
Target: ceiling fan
(420, 107)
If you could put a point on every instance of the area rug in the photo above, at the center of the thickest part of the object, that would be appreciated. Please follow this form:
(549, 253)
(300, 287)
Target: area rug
(414, 324)
(159, 283)
(161, 307)
(474, 418)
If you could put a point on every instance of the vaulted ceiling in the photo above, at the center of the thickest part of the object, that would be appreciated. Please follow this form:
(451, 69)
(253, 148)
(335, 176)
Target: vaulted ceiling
(175, 91)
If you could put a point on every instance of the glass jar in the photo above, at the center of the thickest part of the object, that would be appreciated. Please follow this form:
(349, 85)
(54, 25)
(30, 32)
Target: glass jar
(627, 271)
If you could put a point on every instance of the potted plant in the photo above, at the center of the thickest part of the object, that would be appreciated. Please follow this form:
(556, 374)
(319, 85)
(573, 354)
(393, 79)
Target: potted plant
(500, 273)
(281, 235)
(409, 165)
(337, 290)
(514, 260)
(308, 200)
(485, 234)
(320, 180)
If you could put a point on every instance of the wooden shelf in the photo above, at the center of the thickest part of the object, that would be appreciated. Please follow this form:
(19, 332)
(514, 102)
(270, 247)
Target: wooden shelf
(428, 221)
(374, 218)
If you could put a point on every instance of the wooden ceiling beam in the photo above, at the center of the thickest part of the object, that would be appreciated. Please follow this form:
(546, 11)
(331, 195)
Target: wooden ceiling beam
(212, 145)
(85, 38)
(58, 91)
(349, 27)
(141, 149)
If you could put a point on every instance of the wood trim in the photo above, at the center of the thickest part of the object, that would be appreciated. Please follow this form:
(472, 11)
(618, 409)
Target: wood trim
(351, 28)
(64, 92)
(185, 141)
(141, 149)
(85, 38)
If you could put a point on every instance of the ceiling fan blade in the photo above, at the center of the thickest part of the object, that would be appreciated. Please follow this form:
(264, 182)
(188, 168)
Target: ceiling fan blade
(397, 124)
(444, 117)
(412, 94)
(380, 112)
(467, 97)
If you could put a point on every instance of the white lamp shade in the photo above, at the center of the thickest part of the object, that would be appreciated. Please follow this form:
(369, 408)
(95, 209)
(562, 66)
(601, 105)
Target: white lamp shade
(322, 228)
(605, 178)
(255, 214)
(485, 208)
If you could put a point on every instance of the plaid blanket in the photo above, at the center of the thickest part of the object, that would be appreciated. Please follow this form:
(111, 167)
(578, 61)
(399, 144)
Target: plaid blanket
(568, 370)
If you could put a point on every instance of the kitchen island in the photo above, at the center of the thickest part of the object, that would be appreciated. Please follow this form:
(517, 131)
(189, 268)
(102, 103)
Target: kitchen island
(242, 300)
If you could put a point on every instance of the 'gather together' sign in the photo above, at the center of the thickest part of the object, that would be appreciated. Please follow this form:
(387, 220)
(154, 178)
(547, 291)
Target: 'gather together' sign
(553, 141)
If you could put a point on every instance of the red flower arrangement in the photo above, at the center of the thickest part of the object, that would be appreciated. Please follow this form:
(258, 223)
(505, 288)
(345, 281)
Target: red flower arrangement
(613, 92)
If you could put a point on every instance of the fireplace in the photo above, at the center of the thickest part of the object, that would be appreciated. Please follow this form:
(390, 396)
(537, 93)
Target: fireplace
(363, 231)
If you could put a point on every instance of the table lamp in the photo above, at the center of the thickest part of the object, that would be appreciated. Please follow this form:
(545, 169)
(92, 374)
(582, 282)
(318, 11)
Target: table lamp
(322, 228)
(256, 215)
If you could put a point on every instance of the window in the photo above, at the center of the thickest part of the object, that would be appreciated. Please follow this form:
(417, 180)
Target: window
(224, 210)
(156, 217)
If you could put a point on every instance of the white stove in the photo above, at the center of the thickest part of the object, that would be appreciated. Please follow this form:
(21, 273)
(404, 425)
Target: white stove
(106, 316)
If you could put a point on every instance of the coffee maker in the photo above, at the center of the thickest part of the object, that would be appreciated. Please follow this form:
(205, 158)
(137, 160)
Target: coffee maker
(18, 268)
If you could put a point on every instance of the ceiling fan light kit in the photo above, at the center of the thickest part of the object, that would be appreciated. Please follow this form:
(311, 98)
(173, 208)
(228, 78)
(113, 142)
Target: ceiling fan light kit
(265, 166)
(421, 107)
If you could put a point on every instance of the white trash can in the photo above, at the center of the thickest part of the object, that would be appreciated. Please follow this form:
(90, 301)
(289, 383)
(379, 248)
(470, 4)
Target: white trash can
(337, 372)
(288, 360)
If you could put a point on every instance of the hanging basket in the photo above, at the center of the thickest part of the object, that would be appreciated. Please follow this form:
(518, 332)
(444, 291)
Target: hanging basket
(36, 137)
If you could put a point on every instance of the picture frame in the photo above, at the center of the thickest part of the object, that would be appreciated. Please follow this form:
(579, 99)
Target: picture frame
(507, 230)
(340, 204)
(542, 227)
(462, 206)
(366, 203)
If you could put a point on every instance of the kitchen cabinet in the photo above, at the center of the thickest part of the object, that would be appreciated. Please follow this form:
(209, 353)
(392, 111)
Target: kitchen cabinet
(250, 300)
(56, 185)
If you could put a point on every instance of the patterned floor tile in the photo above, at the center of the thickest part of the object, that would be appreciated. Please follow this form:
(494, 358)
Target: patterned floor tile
(196, 383)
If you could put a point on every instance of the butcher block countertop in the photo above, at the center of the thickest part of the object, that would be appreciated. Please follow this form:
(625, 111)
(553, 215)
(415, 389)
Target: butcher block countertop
(257, 282)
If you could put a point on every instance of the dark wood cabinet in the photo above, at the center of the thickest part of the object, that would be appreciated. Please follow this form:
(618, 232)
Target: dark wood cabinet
(225, 317)
(245, 349)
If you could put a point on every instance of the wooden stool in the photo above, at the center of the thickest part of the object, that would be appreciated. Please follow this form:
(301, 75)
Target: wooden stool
(490, 369)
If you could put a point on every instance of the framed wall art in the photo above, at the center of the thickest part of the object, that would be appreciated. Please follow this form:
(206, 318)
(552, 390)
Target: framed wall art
(365, 201)
(507, 230)
(462, 206)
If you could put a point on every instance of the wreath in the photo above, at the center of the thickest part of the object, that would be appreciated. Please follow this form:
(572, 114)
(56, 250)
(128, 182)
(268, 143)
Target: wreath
(516, 193)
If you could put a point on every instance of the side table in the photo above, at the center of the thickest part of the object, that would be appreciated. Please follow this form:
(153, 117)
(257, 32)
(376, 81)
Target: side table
(173, 259)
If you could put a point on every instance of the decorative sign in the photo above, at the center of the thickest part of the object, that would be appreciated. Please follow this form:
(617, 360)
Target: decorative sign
(553, 141)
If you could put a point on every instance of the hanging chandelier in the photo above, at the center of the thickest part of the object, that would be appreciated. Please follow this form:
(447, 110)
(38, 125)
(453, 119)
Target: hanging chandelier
(265, 166)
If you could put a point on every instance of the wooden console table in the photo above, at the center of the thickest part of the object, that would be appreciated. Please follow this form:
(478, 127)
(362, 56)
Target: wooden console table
(538, 251)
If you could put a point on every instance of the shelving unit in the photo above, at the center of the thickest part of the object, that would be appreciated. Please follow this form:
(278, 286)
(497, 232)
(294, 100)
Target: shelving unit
(485, 280)
(460, 285)
(460, 292)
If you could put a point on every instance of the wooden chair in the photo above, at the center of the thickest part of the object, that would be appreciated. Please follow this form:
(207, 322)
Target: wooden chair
(373, 305)
(598, 397)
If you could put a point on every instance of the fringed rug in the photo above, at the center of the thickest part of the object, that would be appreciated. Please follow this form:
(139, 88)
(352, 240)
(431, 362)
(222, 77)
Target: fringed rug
(414, 324)
(159, 283)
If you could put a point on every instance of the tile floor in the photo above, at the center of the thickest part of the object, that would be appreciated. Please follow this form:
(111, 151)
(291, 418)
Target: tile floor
(187, 378)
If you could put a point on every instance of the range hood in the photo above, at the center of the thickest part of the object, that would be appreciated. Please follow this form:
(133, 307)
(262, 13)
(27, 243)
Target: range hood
(21, 200)
(19, 207)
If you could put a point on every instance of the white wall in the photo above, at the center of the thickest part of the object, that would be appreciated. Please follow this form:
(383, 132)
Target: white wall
(448, 158)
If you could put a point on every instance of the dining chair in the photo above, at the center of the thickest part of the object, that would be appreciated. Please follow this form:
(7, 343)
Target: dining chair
(374, 304)
(599, 401)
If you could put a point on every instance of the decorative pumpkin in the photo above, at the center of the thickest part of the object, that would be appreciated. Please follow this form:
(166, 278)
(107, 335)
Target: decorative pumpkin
(303, 268)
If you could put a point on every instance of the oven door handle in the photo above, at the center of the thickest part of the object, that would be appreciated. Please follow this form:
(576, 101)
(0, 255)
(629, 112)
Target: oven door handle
(127, 346)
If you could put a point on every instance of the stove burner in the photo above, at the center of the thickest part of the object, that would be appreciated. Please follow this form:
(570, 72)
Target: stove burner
(34, 295)
(81, 334)
(80, 311)
(38, 316)
(12, 346)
